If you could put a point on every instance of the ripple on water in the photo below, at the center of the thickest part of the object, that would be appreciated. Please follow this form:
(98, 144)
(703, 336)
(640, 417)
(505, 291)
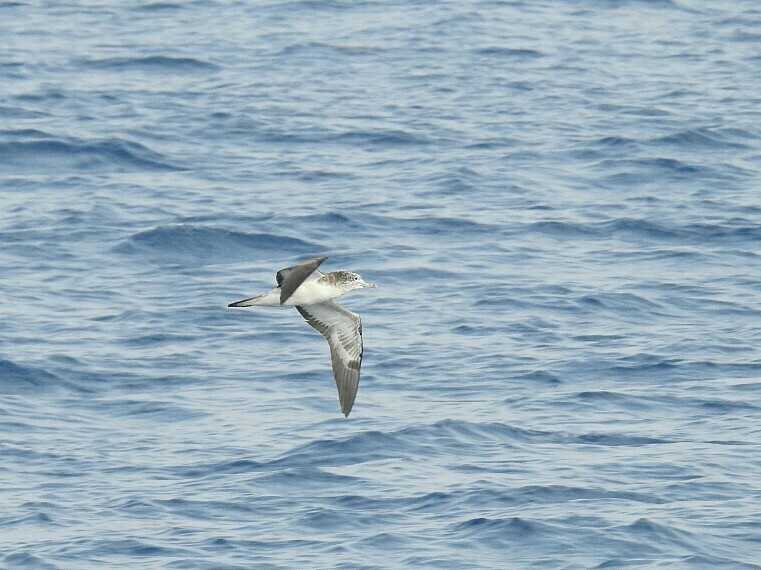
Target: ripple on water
(200, 244)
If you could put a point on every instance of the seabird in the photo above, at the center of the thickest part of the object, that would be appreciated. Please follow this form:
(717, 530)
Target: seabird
(312, 293)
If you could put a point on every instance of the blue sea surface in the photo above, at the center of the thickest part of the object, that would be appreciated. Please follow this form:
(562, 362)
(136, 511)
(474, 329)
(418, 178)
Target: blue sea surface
(559, 200)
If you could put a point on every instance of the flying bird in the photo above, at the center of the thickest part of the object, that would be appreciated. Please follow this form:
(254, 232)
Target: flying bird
(313, 293)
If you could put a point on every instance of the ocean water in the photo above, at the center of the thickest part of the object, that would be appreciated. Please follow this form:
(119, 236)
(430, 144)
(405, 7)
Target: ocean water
(559, 200)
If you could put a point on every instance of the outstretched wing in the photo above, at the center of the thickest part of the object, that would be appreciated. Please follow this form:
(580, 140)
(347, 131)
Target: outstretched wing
(343, 331)
(290, 278)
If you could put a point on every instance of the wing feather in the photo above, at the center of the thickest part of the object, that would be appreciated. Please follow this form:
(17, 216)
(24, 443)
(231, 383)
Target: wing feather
(343, 331)
(290, 278)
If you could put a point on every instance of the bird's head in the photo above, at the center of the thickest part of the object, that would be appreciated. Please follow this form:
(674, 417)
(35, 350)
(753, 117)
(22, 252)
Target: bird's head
(348, 281)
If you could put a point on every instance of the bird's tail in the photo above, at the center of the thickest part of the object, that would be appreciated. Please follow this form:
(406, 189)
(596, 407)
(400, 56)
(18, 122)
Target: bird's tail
(251, 301)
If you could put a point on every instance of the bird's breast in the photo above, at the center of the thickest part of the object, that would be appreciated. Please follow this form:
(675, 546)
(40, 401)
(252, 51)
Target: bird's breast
(311, 292)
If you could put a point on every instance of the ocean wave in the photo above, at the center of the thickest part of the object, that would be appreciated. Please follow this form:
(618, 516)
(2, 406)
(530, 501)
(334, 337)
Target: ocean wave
(539, 376)
(307, 6)
(306, 476)
(23, 559)
(626, 303)
(149, 411)
(188, 243)
(318, 49)
(614, 141)
(413, 441)
(627, 229)
(478, 498)
(153, 63)
(644, 528)
(376, 138)
(38, 152)
(17, 379)
(512, 53)
(702, 138)
(675, 404)
(498, 529)
(380, 137)
(158, 7)
(430, 225)
(653, 166)
(98, 547)
(20, 113)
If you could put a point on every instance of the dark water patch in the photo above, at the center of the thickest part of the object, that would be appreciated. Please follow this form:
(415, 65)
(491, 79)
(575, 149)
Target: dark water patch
(498, 52)
(307, 477)
(36, 519)
(699, 139)
(562, 229)
(24, 559)
(615, 142)
(628, 305)
(157, 339)
(599, 338)
(369, 139)
(495, 143)
(385, 138)
(633, 229)
(218, 469)
(45, 95)
(129, 547)
(206, 510)
(461, 432)
(189, 243)
(656, 368)
(413, 441)
(367, 446)
(562, 493)
(153, 410)
(386, 540)
(659, 254)
(330, 221)
(323, 175)
(12, 70)
(57, 154)
(20, 113)
(475, 499)
(323, 519)
(635, 170)
(154, 63)
(319, 50)
(659, 533)
(19, 379)
(626, 401)
(431, 225)
(158, 7)
(724, 406)
(501, 530)
(23, 134)
(539, 376)
(198, 564)
(639, 228)
(633, 110)
(476, 331)
(618, 440)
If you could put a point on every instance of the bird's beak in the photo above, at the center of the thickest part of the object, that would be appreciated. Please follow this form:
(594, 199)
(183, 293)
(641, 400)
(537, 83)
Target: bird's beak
(370, 285)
